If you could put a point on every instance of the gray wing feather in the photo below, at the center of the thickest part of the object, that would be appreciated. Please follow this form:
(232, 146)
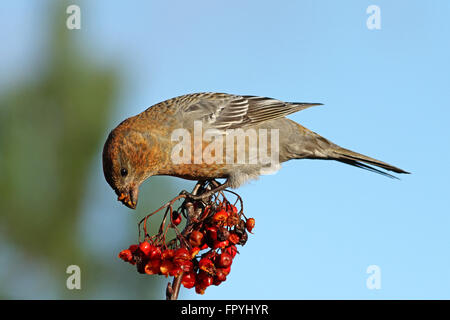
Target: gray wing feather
(225, 111)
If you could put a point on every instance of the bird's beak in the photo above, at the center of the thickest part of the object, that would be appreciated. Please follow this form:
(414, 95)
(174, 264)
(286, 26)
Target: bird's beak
(129, 198)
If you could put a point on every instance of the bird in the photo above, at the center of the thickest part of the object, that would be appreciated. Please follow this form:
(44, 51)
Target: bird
(143, 145)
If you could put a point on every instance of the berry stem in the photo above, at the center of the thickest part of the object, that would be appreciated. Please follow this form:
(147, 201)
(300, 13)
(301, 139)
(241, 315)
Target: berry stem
(173, 289)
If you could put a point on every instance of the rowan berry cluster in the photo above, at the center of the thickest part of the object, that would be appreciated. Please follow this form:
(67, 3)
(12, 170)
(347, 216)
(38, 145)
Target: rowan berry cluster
(203, 254)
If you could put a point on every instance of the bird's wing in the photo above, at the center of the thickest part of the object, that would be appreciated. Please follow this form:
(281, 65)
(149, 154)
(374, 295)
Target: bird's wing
(225, 111)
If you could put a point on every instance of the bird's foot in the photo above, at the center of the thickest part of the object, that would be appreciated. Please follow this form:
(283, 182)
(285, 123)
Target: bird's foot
(194, 197)
(186, 193)
(205, 193)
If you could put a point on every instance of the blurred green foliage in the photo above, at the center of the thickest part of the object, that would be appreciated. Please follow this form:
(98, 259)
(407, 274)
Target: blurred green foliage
(51, 132)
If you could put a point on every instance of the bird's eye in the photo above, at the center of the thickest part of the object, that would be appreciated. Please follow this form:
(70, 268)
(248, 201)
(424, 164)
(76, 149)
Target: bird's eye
(123, 172)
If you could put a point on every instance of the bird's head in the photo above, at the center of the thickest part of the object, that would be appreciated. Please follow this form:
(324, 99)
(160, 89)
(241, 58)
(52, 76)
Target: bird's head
(126, 163)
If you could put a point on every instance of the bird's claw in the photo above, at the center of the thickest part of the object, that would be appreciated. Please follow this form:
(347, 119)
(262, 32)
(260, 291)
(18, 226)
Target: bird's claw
(185, 193)
(190, 196)
(205, 194)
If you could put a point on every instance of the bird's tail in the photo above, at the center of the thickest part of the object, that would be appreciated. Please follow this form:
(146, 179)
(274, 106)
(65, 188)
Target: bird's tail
(314, 146)
(362, 161)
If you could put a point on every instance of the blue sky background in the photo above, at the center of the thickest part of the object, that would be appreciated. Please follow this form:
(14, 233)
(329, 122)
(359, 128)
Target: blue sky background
(319, 224)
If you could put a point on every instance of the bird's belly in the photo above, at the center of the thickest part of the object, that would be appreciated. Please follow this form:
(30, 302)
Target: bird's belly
(197, 171)
(236, 174)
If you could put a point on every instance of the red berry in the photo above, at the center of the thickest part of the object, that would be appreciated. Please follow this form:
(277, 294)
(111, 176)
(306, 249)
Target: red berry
(126, 255)
(225, 260)
(176, 218)
(220, 216)
(186, 266)
(133, 248)
(180, 255)
(204, 279)
(220, 275)
(167, 254)
(226, 270)
(223, 234)
(250, 224)
(207, 281)
(194, 251)
(211, 232)
(231, 250)
(233, 219)
(206, 265)
(145, 247)
(175, 271)
(220, 244)
(196, 238)
(233, 238)
(210, 255)
(200, 289)
(188, 280)
(153, 266)
(166, 267)
(231, 208)
(155, 253)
